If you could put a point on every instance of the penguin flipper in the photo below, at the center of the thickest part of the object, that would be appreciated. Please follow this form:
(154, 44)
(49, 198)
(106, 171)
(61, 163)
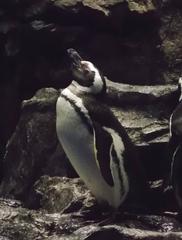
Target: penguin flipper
(103, 143)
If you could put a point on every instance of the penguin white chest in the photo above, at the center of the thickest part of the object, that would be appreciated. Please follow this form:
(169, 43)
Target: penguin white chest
(74, 131)
(76, 139)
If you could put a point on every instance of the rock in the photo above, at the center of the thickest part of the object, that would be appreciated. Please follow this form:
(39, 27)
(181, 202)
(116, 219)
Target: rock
(144, 127)
(96, 233)
(141, 7)
(101, 6)
(106, 6)
(33, 149)
(146, 123)
(70, 195)
(121, 94)
(17, 222)
(144, 111)
(171, 44)
(62, 195)
(65, 222)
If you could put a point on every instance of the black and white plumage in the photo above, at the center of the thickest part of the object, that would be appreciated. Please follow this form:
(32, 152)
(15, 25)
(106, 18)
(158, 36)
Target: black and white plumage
(175, 125)
(93, 139)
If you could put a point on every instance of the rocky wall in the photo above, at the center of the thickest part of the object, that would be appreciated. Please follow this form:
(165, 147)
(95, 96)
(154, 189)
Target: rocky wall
(137, 45)
(135, 42)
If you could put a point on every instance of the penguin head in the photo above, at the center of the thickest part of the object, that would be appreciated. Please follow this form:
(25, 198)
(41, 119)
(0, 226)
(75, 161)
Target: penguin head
(86, 75)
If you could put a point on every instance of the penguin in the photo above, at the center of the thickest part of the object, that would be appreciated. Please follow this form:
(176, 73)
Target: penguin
(93, 139)
(175, 127)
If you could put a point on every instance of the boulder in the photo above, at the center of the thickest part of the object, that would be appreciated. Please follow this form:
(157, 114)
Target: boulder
(63, 195)
(66, 212)
(33, 149)
(142, 110)
(170, 41)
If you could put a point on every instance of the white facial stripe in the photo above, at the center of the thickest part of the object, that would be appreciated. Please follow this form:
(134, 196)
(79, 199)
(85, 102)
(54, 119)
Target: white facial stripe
(119, 148)
(78, 102)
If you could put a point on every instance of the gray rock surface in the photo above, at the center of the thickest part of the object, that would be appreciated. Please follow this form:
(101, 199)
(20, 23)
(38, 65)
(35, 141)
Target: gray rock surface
(132, 42)
(66, 212)
(62, 195)
(33, 149)
(171, 41)
(143, 110)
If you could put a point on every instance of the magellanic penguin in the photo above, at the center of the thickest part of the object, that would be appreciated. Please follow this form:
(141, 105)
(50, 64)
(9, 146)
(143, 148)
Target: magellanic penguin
(175, 126)
(96, 144)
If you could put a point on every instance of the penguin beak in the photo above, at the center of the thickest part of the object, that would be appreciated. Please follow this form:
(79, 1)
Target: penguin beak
(74, 57)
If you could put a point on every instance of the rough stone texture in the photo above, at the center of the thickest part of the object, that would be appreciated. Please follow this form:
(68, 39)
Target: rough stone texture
(62, 194)
(171, 45)
(133, 42)
(141, 6)
(59, 217)
(33, 149)
(123, 94)
(142, 110)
